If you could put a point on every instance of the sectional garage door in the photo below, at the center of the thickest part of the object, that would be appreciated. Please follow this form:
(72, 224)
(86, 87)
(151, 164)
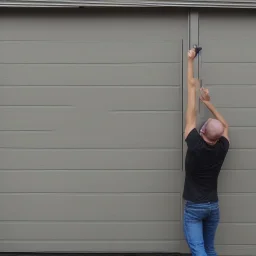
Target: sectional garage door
(90, 130)
(228, 68)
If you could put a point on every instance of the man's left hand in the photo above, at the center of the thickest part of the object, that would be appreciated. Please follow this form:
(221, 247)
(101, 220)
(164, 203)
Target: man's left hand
(205, 96)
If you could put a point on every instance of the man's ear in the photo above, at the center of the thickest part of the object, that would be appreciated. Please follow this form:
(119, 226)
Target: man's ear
(203, 128)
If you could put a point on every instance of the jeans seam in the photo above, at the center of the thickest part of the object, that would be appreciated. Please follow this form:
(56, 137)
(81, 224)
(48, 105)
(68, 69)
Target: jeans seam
(186, 231)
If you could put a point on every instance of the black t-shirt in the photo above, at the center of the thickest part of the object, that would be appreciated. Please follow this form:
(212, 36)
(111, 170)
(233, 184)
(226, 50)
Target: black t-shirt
(203, 164)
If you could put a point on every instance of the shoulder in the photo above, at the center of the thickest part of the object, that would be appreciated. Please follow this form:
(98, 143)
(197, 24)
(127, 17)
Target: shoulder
(225, 143)
(193, 139)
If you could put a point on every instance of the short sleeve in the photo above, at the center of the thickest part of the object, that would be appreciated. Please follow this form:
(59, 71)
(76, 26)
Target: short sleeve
(225, 143)
(193, 139)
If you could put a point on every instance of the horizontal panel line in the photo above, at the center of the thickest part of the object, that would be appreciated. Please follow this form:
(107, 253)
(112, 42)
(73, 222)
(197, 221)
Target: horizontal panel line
(86, 64)
(127, 240)
(241, 149)
(241, 170)
(89, 63)
(247, 127)
(91, 86)
(91, 193)
(90, 42)
(239, 223)
(114, 222)
(94, 241)
(235, 148)
(92, 149)
(34, 131)
(236, 108)
(89, 221)
(36, 106)
(102, 170)
(229, 62)
(237, 193)
(144, 111)
(245, 244)
(82, 169)
(244, 127)
(231, 85)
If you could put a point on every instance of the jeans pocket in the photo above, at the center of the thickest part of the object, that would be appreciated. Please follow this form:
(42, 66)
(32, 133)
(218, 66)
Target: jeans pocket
(193, 214)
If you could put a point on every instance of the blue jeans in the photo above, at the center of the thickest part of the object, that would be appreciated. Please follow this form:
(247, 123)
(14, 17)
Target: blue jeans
(200, 225)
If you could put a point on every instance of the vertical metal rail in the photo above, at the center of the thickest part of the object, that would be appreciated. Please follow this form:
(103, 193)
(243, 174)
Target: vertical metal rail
(193, 38)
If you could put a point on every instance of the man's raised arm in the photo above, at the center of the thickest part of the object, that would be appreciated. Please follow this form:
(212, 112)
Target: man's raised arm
(205, 98)
(191, 103)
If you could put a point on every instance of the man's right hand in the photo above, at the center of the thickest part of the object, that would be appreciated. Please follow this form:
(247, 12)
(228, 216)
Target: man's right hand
(205, 96)
(191, 54)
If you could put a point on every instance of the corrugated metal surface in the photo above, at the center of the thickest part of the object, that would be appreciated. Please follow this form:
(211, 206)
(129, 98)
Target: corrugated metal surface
(131, 3)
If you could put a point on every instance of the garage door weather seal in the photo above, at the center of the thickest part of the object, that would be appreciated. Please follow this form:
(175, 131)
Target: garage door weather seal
(129, 3)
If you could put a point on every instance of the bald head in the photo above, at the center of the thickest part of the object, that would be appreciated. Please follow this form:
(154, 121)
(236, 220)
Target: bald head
(212, 129)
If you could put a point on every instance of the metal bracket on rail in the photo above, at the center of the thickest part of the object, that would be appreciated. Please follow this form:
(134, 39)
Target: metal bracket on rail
(197, 49)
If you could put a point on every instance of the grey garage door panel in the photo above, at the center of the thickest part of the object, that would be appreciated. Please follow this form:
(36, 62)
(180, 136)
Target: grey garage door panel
(109, 98)
(91, 246)
(221, 95)
(36, 118)
(229, 180)
(229, 73)
(236, 50)
(91, 130)
(80, 122)
(115, 135)
(228, 70)
(219, 26)
(236, 234)
(242, 137)
(240, 117)
(51, 181)
(94, 207)
(70, 231)
(243, 159)
(153, 159)
(29, 128)
(245, 250)
(92, 27)
(238, 208)
(97, 52)
(89, 74)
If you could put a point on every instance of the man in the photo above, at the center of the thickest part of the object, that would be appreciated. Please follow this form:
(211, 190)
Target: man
(206, 151)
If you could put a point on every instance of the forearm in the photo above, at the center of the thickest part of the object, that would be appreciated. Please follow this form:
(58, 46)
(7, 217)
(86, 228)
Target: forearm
(191, 111)
(190, 72)
(216, 114)
(191, 100)
(191, 103)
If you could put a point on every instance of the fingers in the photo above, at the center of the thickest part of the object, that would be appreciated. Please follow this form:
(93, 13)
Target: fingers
(204, 90)
(204, 94)
(191, 53)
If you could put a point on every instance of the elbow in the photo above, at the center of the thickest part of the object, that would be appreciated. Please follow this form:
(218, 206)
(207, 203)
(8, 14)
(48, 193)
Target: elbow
(193, 82)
